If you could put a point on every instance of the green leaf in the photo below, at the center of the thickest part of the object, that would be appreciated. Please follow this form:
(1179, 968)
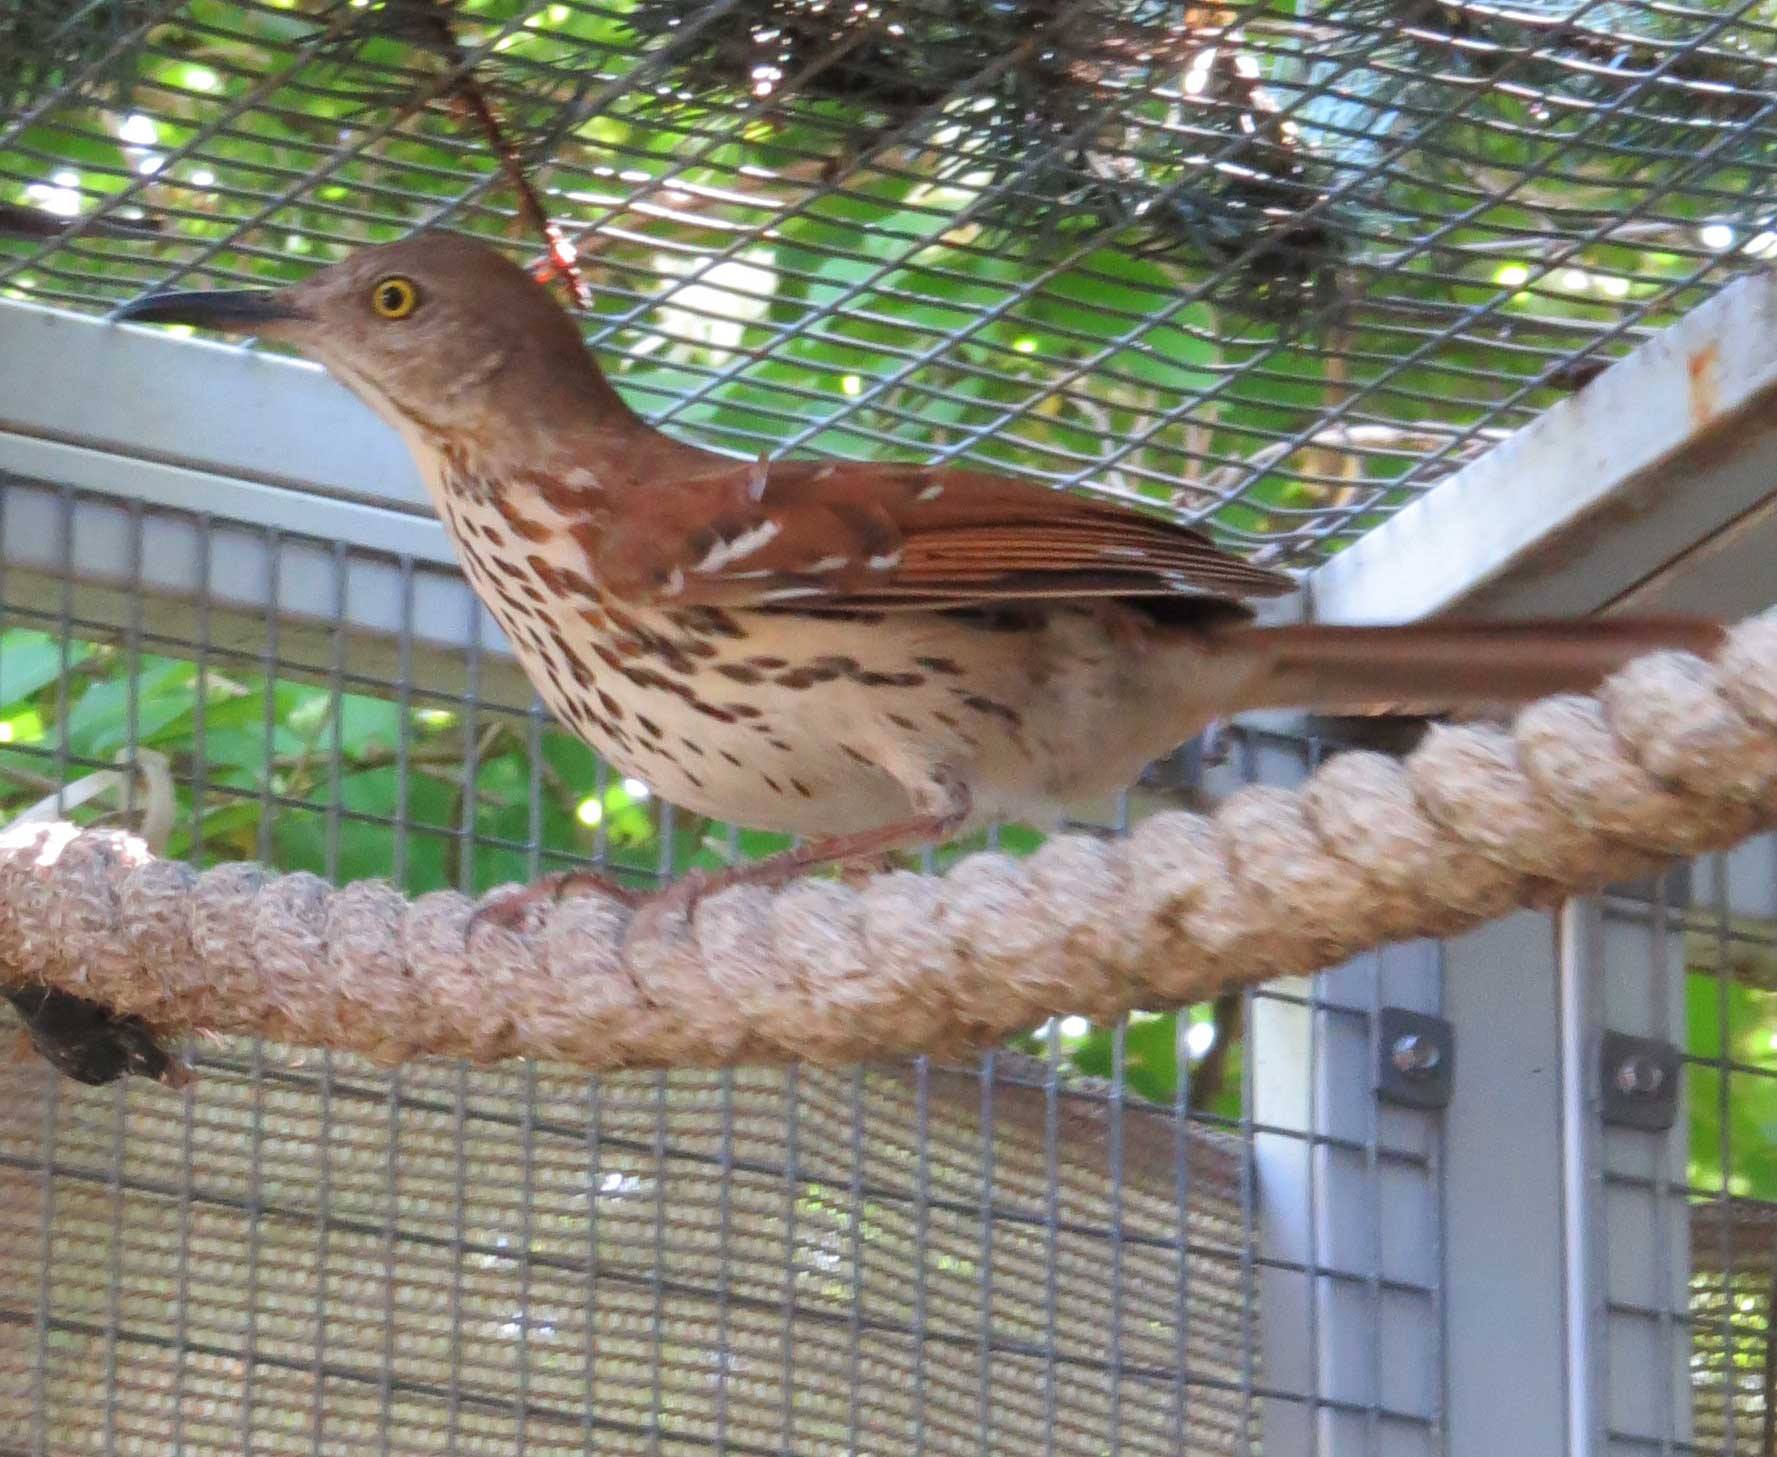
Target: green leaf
(99, 724)
(30, 661)
(368, 849)
(234, 729)
(230, 831)
(1728, 1018)
(367, 726)
(1150, 1055)
(572, 761)
(706, 848)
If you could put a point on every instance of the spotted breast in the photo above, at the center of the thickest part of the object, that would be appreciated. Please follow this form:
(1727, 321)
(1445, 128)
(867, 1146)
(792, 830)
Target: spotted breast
(798, 720)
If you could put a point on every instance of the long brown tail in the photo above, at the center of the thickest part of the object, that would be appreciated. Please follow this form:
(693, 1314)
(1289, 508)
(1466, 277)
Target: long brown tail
(1425, 667)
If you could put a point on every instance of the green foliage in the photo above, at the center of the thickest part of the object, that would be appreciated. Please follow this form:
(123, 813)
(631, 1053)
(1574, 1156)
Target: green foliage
(1733, 1109)
(254, 765)
(1154, 1052)
(82, 47)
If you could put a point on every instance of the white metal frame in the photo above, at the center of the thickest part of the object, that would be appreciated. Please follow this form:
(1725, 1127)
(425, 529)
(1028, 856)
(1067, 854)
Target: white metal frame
(1652, 489)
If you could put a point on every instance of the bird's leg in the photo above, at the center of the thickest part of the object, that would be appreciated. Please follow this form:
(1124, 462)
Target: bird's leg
(842, 850)
(857, 873)
(950, 810)
(510, 908)
(775, 871)
(943, 803)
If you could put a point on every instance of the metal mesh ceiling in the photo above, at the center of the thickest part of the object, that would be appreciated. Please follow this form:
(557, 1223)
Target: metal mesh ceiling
(1280, 266)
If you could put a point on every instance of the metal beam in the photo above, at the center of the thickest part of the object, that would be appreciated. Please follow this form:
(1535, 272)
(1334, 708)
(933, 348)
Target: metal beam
(218, 410)
(207, 486)
(1652, 489)
(101, 567)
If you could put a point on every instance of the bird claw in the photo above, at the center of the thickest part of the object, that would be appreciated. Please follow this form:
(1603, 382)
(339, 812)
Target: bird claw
(672, 902)
(511, 909)
(857, 874)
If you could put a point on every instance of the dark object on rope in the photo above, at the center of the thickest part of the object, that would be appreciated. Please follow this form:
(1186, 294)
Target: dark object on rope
(90, 1043)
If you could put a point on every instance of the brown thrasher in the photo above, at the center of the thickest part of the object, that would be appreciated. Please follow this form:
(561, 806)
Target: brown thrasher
(873, 656)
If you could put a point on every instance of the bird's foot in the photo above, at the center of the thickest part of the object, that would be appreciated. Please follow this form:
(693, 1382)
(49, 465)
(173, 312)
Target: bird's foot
(856, 856)
(681, 898)
(677, 900)
(512, 908)
(859, 873)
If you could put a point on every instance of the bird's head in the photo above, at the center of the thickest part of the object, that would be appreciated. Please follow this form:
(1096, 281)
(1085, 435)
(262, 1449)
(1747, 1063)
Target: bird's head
(440, 335)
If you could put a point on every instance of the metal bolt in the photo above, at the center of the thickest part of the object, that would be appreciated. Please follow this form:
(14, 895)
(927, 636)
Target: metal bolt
(1639, 1076)
(1415, 1056)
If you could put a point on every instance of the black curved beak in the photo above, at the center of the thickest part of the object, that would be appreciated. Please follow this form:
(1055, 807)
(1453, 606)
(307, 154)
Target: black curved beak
(229, 311)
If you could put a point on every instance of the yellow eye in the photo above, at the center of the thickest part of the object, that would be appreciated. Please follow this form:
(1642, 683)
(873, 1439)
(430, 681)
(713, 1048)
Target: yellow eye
(394, 297)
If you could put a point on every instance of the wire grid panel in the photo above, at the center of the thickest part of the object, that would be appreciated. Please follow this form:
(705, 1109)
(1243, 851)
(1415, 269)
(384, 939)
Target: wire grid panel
(312, 1255)
(1275, 269)
(1351, 1285)
(304, 1251)
(758, 287)
(1717, 944)
(1678, 1231)
(1351, 1289)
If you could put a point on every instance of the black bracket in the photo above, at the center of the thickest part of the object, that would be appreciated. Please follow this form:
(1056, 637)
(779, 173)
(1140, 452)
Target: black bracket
(1416, 1067)
(1637, 1082)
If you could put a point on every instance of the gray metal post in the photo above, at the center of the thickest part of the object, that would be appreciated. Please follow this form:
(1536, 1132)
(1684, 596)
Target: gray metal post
(1349, 1207)
(1624, 1224)
(1502, 1230)
(1582, 1268)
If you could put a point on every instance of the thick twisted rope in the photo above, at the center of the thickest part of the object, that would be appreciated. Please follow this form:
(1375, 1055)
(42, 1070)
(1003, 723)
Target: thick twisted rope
(1676, 755)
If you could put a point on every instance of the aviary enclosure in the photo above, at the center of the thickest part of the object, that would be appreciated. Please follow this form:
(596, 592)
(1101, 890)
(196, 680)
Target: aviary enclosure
(1442, 306)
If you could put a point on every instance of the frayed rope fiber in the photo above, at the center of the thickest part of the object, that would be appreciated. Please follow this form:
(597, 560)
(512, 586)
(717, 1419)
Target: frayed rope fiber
(1674, 756)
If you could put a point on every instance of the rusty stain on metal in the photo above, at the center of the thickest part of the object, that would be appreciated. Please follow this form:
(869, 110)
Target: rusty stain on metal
(1700, 368)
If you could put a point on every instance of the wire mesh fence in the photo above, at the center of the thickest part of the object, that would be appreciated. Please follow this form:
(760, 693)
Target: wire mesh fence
(321, 1256)
(1714, 934)
(307, 1253)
